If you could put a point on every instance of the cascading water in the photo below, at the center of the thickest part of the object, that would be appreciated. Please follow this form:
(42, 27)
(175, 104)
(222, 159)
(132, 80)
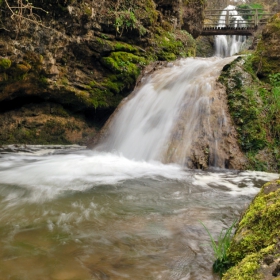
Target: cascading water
(175, 110)
(229, 45)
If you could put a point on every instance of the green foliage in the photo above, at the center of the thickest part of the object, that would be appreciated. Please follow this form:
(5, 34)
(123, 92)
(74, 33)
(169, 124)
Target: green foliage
(275, 79)
(255, 163)
(253, 7)
(126, 20)
(220, 248)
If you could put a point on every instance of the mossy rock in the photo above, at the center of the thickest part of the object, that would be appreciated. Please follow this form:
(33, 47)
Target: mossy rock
(5, 64)
(257, 235)
(249, 267)
(266, 60)
(123, 62)
(170, 45)
(252, 107)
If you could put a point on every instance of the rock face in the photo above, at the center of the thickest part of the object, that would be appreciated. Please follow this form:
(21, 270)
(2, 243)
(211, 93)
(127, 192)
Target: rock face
(258, 128)
(83, 57)
(267, 57)
(214, 144)
(183, 14)
(255, 248)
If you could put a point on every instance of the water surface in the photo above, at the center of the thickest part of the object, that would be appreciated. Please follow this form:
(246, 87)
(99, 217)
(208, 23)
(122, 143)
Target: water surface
(87, 215)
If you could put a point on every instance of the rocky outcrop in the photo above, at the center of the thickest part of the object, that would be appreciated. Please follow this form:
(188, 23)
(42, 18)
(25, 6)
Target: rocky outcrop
(255, 248)
(82, 56)
(267, 57)
(253, 108)
(184, 14)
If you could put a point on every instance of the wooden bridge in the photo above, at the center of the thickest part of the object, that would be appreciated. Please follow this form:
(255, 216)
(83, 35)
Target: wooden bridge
(228, 22)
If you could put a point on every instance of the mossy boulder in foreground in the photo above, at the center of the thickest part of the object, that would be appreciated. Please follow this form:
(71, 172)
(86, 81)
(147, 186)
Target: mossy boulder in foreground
(255, 248)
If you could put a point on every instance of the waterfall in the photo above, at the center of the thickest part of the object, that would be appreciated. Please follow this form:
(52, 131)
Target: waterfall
(229, 45)
(174, 116)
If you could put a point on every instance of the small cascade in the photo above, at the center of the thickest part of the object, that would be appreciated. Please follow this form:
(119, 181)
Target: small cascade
(229, 45)
(175, 116)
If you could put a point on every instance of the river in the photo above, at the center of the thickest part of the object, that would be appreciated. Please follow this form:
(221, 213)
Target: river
(69, 213)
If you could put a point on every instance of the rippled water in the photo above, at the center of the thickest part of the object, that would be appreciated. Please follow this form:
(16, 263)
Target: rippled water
(69, 214)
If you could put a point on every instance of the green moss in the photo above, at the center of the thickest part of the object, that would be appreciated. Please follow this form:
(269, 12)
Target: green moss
(171, 45)
(87, 11)
(100, 98)
(60, 111)
(266, 59)
(5, 64)
(124, 47)
(259, 227)
(254, 109)
(113, 84)
(264, 65)
(123, 62)
(166, 56)
(257, 235)
(126, 68)
(249, 267)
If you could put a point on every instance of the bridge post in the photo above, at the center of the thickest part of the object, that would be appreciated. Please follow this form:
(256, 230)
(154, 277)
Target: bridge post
(256, 19)
(227, 19)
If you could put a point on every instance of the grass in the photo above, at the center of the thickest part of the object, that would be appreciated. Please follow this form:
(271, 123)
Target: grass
(220, 247)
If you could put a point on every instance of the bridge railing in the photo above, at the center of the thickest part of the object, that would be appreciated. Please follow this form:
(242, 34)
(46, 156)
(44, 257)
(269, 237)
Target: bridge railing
(225, 18)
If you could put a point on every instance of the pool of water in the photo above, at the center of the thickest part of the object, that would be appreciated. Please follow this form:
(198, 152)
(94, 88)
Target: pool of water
(76, 214)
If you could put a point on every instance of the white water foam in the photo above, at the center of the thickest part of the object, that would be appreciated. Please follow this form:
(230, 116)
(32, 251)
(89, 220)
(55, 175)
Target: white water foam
(44, 178)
